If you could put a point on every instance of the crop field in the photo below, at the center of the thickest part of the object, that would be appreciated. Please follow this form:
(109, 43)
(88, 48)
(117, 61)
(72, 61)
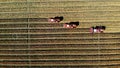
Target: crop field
(28, 40)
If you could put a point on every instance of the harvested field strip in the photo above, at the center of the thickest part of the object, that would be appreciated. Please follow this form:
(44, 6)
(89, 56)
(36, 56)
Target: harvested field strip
(49, 41)
(58, 63)
(79, 35)
(43, 30)
(60, 46)
(61, 57)
(74, 3)
(61, 9)
(74, 35)
(58, 43)
(66, 66)
(23, 20)
(59, 52)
